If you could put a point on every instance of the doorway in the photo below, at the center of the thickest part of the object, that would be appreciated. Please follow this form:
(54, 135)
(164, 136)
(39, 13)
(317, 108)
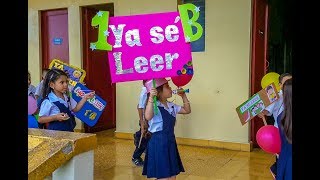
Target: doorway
(96, 64)
(54, 36)
(280, 36)
(272, 29)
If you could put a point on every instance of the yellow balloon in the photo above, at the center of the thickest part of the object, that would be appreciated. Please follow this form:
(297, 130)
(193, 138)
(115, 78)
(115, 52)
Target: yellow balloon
(269, 78)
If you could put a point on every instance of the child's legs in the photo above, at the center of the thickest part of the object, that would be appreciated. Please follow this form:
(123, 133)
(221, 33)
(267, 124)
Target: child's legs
(138, 152)
(273, 168)
(136, 137)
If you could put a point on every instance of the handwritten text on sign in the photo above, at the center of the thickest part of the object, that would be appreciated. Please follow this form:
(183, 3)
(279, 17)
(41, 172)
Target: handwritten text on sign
(75, 74)
(257, 103)
(146, 46)
(92, 109)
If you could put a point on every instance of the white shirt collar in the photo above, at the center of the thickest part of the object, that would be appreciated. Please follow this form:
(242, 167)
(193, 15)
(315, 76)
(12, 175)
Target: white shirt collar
(53, 98)
(169, 109)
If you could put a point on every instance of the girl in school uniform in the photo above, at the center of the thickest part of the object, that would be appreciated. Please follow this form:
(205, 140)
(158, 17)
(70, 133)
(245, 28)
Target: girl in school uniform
(162, 159)
(57, 107)
(275, 109)
(31, 88)
(284, 163)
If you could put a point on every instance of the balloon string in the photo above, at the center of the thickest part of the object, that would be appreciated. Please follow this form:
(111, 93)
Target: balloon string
(264, 120)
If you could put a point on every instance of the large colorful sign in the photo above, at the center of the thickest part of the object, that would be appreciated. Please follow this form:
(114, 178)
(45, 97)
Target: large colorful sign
(257, 103)
(75, 74)
(92, 109)
(147, 46)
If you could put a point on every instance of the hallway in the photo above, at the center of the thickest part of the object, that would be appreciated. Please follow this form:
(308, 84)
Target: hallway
(112, 160)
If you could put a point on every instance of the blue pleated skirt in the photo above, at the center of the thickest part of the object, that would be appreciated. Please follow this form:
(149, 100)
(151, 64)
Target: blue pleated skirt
(162, 159)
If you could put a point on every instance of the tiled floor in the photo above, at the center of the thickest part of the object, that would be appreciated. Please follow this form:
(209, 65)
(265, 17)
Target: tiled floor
(112, 160)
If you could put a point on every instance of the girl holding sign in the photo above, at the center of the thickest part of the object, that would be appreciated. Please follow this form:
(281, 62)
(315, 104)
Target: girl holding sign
(56, 105)
(162, 159)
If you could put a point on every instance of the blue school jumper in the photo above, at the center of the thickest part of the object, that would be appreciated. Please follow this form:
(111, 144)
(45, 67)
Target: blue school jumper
(162, 159)
(67, 125)
(284, 163)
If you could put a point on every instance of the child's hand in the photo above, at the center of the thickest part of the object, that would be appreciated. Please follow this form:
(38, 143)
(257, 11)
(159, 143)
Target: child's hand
(153, 92)
(89, 95)
(261, 115)
(181, 92)
(62, 116)
(142, 129)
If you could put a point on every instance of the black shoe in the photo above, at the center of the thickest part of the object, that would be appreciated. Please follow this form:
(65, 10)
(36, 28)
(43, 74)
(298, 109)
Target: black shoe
(137, 161)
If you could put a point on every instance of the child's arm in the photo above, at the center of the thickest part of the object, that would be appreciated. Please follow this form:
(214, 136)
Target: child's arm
(269, 109)
(264, 113)
(45, 115)
(140, 114)
(186, 108)
(148, 115)
(57, 117)
(83, 100)
(38, 89)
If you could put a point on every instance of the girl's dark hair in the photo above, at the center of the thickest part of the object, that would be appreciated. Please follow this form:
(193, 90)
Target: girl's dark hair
(144, 81)
(286, 121)
(283, 75)
(52, 76)
(45, 70)
(159, 89)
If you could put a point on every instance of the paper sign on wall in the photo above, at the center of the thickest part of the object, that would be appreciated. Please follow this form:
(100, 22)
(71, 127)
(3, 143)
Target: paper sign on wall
(257, 103)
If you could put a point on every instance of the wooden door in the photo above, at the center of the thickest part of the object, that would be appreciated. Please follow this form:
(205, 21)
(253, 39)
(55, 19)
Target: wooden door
(259, 55)
(97, 67)
(54, 36)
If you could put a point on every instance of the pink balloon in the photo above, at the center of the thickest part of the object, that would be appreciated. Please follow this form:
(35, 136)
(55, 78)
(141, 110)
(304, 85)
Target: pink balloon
(181, 80)
(268, 138)
(32, 105)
